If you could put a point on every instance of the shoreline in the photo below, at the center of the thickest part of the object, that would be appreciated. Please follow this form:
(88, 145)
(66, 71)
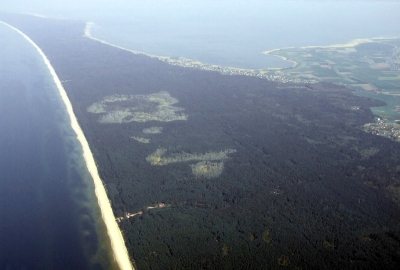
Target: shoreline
(188, 63)
(120, 252)
(349, 44)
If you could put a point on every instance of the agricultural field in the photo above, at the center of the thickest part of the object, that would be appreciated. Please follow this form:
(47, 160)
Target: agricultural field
(366, 65)
(370, 67)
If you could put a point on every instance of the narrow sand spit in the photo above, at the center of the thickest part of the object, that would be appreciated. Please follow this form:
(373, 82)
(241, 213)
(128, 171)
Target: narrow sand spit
(117, 242)
(88, 30)
(350, 44)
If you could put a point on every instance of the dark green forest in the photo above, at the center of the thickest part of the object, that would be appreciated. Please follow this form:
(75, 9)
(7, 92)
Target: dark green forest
(307, 188)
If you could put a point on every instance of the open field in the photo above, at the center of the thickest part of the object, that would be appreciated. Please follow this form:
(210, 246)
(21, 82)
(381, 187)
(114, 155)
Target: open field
(368, 66)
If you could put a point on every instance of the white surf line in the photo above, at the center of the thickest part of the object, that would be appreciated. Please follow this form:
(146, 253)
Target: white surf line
(117, 241)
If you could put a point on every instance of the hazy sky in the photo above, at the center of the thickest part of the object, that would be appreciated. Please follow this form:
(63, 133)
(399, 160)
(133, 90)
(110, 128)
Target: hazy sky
(194, 28)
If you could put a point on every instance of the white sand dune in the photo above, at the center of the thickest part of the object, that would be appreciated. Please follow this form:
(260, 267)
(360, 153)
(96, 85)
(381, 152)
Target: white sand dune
(117, 242)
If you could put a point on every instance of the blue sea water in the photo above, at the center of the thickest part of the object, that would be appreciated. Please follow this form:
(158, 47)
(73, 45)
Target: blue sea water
(227, 33)
(235, 33)
(47, 204)
(47, 212)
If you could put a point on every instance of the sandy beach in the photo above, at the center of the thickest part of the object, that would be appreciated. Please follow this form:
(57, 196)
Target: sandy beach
(88, 29)
(350, 44)
(274, 50)
(295, 64)
(117, 242)
(197, 64)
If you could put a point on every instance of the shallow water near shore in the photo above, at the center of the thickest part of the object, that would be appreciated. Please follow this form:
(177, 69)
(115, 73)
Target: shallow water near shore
(79, 201)
(49, 217)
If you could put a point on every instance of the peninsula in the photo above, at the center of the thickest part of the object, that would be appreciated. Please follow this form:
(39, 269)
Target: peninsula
(371, 67)
(208, 171)
(268, 74)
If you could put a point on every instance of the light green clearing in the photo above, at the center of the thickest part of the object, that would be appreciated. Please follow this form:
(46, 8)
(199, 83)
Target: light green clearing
(157, 158)
(205, 167)
(153, 130)
(138, 108)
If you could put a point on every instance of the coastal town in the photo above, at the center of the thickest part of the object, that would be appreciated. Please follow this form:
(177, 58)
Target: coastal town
(185, 202)
(260, 73)
(383, 128)
(268, 74)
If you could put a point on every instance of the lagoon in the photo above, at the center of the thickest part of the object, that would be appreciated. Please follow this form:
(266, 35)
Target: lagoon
(228, 33)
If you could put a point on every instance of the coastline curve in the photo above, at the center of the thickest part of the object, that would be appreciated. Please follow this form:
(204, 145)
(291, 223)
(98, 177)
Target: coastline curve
(189, 63)
(118, 246)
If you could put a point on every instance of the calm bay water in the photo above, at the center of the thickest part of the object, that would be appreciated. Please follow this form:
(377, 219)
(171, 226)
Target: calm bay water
(47, 206)
(228, 33)
(235, 33)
